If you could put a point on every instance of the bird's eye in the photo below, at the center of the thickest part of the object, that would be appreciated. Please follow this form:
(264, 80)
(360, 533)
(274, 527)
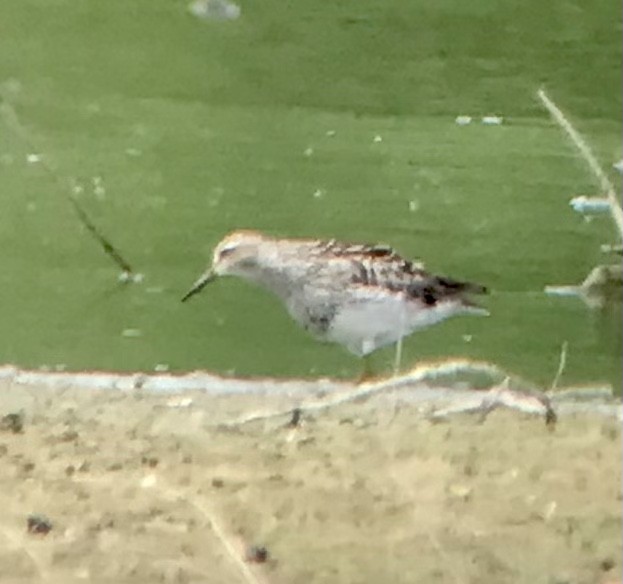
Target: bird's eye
(226, 251)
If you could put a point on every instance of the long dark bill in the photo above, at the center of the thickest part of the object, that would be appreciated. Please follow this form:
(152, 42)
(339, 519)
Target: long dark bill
(200, 284)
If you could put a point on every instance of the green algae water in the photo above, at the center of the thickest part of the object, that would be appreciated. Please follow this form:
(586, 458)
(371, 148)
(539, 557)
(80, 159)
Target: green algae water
(301, 119)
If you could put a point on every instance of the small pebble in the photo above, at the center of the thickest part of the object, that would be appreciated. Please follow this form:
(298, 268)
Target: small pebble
(67, 435)
(38, 524)
(180, 402)
(295, 420)
(150, 461)
(12, 422)
(28, 467)
(256, 554)
(607, 564)
(149, 481)
(462, 492)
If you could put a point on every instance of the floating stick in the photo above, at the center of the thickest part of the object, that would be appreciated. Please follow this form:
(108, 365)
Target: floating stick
(106, 245)
(9, 115)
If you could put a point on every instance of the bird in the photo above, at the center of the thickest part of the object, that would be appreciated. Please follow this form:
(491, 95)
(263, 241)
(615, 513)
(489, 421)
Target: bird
(361, 296)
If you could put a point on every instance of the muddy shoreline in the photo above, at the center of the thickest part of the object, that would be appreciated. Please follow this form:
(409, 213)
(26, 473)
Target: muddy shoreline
(143, 487)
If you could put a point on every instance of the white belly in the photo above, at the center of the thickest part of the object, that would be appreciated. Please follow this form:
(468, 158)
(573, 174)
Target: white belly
(363, 327)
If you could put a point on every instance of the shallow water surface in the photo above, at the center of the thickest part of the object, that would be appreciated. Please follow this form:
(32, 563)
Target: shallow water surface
(333, 122)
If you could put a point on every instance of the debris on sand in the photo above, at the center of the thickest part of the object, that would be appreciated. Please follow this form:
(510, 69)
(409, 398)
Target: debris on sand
(295, 420)
(13, 422)
(257, 554)
(38, 524)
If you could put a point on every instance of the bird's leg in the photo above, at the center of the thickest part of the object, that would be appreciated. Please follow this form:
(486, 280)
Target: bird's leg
(367, 372)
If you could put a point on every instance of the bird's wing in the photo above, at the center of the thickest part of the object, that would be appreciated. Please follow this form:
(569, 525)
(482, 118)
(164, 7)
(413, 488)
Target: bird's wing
(339, 271)
(338, 249)
(372, 270)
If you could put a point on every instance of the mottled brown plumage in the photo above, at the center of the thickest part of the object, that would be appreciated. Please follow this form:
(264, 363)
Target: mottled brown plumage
(361, 296)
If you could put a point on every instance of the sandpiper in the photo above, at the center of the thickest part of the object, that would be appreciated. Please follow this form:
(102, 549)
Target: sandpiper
(360, 296)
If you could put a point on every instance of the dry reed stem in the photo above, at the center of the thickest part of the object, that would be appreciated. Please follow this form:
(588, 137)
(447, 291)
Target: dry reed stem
(172, 494)
(366, 390)
(594, 166)
(561, 365)
(247, 575)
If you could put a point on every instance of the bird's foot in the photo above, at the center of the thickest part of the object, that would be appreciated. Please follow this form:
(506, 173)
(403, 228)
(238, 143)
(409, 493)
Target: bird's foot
(364, 377)
(367, 373)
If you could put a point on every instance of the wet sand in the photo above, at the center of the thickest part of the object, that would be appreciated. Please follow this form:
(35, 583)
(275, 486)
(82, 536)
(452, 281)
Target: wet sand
(140, 491)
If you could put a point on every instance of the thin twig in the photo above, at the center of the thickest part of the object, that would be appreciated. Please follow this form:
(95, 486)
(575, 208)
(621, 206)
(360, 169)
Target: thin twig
(598, 172)
(234, 555)
(11, 119)
(97, 234)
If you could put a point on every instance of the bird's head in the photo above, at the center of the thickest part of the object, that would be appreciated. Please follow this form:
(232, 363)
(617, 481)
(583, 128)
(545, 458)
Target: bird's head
(235, 255)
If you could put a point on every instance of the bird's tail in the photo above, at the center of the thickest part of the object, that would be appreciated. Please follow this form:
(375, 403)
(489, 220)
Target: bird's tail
(451, 286)
(461, 292)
